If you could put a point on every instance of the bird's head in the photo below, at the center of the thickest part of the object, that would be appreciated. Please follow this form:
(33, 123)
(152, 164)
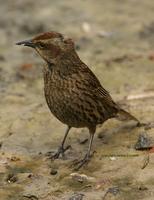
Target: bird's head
(50, 45)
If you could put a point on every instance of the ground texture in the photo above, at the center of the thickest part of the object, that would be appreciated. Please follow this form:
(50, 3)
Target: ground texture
(115, 38)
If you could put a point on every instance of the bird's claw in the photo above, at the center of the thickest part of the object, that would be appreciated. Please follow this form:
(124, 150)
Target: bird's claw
(59, 152)
(79, 163)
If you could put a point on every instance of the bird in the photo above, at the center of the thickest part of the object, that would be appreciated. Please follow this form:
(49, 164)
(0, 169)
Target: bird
(73, 93)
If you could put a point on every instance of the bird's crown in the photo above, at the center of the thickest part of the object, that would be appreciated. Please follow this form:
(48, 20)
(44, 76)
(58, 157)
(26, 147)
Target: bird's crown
(48, 35)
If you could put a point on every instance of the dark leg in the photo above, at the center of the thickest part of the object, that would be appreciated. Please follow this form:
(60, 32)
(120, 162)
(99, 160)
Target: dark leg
(88, 155)
(61, 149)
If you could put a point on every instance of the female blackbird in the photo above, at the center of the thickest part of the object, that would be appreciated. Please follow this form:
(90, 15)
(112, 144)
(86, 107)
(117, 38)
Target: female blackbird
(73, 93)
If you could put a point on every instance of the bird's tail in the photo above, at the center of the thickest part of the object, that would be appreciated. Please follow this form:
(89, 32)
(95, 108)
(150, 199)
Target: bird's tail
(123, 115)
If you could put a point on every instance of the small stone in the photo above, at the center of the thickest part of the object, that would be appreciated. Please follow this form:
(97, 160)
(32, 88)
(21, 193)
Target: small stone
(105, 34)
(143, 143)
(77, 197)
(31, 197)
(30, 175)
(14, 158)
(114, 190)
(86, 27)
(142, 187)
(53, 172)
(113, 158)
(11, 178)
(81, 177)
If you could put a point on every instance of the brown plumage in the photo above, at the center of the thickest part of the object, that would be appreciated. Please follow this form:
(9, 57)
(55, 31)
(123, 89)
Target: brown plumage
(73, 93)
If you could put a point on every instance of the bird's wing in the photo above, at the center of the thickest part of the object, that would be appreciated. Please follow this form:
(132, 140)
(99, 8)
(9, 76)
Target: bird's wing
(95, 86)
(103, 95)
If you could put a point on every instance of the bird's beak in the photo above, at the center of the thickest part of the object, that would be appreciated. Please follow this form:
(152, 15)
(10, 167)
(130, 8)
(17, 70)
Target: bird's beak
(27, 43)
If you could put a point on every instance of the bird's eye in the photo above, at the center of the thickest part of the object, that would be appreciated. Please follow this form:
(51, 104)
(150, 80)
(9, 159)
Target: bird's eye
(40, 45)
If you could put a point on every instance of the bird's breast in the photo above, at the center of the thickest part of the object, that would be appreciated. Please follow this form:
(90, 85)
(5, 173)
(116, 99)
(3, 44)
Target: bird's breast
(60, 94)
(73, 102)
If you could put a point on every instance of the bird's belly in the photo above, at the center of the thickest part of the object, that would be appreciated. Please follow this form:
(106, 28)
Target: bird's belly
(73, 108)
(65, 110)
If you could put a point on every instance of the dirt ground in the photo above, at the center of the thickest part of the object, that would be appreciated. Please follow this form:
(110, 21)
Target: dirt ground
(115, 38)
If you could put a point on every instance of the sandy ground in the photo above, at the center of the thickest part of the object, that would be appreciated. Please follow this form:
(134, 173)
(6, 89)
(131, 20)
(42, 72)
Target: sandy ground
(115, 38)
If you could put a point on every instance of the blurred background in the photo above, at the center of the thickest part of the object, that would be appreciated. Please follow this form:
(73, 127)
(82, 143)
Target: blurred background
(116, 40)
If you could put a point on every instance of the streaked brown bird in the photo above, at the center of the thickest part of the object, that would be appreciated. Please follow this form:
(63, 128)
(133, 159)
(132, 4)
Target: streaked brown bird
(73, 93)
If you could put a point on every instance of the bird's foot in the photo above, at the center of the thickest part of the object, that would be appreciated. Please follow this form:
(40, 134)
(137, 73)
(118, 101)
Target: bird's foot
(60, 152)
(79, 163)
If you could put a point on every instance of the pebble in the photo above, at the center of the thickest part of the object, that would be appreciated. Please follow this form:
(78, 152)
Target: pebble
(144, 142)
(77, 197)
(53, 172)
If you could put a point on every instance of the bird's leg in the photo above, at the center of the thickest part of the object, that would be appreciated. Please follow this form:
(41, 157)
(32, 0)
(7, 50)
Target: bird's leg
(88, 155)
(61, 150)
